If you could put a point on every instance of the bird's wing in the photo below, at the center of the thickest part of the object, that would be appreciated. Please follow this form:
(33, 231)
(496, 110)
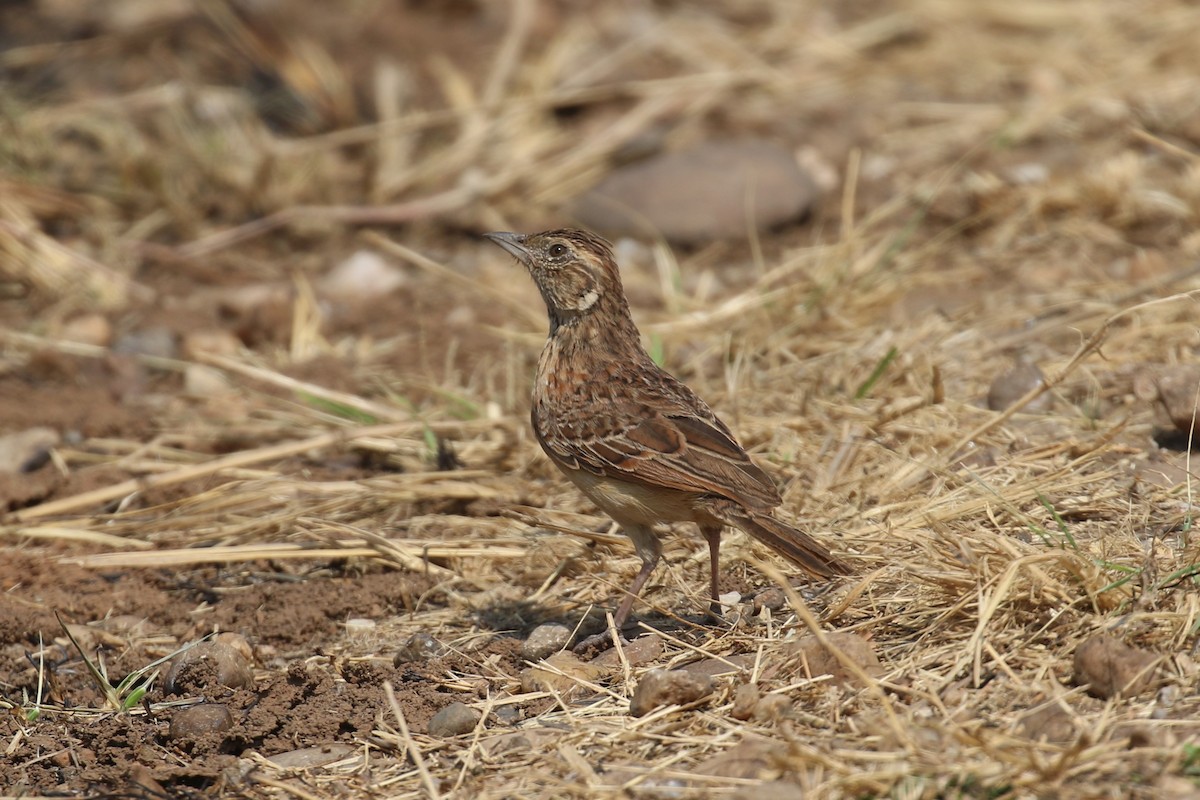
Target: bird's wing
(676, 445)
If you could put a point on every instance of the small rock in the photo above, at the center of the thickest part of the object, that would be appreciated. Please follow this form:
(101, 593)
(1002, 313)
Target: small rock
(771, 790)
(745, 699)
(239, 644)
(453, 720)
(1014, 383)
(772, 708)
(561, 673)
(698, 195)
(1108, 667)
(1174, 390)
(158, 342)
(215, 342)
(201, 380)
(94, 329)
(712, 667)
(27, 450)
(207, 665)
(363, 274)
(1051, 723)
(195, 721)
(815, 660)
(974, 457)
(660, 687)
(544, 640)
(750, 760)
(771, 598)
(312, 757)
(419, 647)
(639, 651)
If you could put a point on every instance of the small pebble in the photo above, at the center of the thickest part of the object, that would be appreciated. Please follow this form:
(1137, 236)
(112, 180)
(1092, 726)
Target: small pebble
(195, 721)
(772, 708)
(207, 665)
(562, 673)
(544, 640)
(745, 700)
(771, 598)
(312, 757)
(814, 660)
(94, 329)
(201, 380)
(27, 450)
(1108, 667)
(419, 647)
(364, 274)
(1174, 390)
(660, 687)
(158, 342)
(453, 720)
(639, 651)
(701, 194)
(216, 342)
(1014, 383)
(1050, 723)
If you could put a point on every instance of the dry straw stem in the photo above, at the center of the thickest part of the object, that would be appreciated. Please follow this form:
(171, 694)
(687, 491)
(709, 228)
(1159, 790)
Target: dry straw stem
(218, 465)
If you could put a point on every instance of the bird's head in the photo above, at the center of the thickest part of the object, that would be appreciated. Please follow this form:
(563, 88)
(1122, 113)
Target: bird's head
(574, 270)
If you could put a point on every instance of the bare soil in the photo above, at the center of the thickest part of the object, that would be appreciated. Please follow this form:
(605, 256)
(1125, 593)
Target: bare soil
(326, 473)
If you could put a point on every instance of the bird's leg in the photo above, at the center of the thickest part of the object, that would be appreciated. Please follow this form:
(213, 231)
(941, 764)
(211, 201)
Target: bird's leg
(712, 534)
(645, 541)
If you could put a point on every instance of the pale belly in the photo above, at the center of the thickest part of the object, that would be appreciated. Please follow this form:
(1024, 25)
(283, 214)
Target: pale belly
(633, 503)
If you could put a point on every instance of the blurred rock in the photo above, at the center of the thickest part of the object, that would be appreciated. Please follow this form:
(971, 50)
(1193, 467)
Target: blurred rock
(363, 274)
(94, 329)
(771, 790)
(195, 721)
(312, 757)
(561, 673)
(639, 651)
(453, 720)
(1163, 470)
(1051, 723)
(206, 666)
(712, 667)
(158, 342)
(772, 708)
(660, 687)
(750, 760)
(745, 699)
(1011, 385)
(217, 342)
(1173, 389)
(419, 647)
(771, 598)
(544, 640)
(814, 660)
(201, 380)
(701, 194)
(27, 450)
(1108, 667)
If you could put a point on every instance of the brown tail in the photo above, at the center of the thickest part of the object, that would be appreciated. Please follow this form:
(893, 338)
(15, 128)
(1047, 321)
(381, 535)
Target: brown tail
(805, 551)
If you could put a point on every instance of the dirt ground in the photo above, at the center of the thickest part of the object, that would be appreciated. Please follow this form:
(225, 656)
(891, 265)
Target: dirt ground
(263, 400)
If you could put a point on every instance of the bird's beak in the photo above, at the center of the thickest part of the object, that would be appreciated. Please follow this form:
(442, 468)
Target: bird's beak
(514, 243)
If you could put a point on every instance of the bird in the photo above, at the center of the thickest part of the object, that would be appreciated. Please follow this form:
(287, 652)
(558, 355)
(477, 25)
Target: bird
(638, 442)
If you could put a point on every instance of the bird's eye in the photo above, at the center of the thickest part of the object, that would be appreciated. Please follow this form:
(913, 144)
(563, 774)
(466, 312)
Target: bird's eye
(557, 250)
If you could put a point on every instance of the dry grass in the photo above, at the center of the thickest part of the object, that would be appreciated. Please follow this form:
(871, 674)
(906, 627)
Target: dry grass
(853, 359)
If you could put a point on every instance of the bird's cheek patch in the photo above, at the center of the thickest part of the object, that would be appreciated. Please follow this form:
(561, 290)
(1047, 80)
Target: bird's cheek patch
(578, 291)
